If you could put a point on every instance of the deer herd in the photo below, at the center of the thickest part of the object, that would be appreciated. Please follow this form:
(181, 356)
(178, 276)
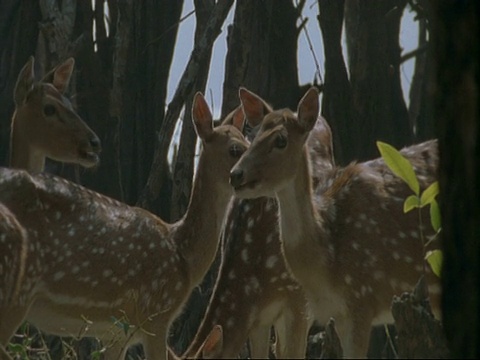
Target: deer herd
(300, 238)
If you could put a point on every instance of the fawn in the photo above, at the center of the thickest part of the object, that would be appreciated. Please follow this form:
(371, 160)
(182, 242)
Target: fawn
(255, 290)
(347, 242)
(94, 265)
(45, 124)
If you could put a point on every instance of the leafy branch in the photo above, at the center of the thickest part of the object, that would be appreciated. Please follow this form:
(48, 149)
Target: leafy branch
(402, 168)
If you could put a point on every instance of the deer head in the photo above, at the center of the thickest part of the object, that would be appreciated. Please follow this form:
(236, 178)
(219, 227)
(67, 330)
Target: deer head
(45, 124)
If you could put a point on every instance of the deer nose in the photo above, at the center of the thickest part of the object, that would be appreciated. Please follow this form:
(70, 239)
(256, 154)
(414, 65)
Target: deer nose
(95, 143)
(236, 177)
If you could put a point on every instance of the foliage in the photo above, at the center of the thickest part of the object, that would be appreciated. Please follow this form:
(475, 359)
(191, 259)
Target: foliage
(402, 167)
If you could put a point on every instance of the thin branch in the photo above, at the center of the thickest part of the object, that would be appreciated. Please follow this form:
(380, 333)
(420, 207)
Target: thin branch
(413, 53)
(168, 29)
(310, 44)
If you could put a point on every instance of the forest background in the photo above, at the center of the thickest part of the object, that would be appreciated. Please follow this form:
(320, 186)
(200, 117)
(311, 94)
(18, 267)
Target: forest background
(136, 76)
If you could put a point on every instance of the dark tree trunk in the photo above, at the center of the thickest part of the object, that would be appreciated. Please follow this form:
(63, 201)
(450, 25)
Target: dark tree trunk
(18, 39)
(262, 53)
(118, 91)
(456, 104)
(155, 27)
(372, 29)
(94, 76)
(337, 105)
(420, 108)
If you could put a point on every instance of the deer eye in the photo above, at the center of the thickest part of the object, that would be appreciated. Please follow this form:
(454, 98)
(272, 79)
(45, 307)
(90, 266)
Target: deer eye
(49, 110)
(280, 142)
(235, 151)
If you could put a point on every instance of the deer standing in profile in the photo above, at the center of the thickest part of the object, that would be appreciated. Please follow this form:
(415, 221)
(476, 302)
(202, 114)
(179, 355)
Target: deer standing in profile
(45, 124)
(254, 289)
(96, 266)
(349, 244)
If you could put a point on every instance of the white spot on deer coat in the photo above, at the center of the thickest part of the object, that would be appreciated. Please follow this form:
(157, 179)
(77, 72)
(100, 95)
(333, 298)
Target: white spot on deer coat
(271, 261)
(244, 255)
(107, 272)
(58, 275)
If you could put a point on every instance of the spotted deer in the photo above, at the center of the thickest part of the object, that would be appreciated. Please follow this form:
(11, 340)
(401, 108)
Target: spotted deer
(254, 289)
(45, 124)
(13, 250)
(349, 243)
(118, 272)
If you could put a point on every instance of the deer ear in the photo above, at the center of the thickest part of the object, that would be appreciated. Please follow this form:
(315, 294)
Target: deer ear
(238, 118)
(24, 82)
(213, 344)
(308, 109)
(254, 107)
(202, 117)
(62, 75)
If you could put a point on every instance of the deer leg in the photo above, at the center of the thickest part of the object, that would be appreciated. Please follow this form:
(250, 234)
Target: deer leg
(260, 342)
(116, 351)
(10, 320)
(156, 346)
(291, 330)
(354, 333)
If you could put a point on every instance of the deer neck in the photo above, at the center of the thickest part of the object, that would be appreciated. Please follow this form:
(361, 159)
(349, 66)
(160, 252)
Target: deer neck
(301, 227)
(199, 229)
(22, 154)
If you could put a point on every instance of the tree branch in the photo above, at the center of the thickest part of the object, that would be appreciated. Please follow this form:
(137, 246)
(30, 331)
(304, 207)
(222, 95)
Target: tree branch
(413, 53)
(185, 87)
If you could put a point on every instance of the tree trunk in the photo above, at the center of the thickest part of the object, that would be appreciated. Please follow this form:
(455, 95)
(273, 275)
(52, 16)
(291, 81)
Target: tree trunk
(337, 102)
(262, 53)
(18, 39)
(372, 29)
(456, 104)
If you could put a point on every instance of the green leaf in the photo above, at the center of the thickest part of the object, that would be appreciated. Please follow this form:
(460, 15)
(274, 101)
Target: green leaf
(435, 218)
(429, 194)
(126, 328)
(399, 165)
(435, 259)
(16, 348)
(410, 203)
(122, 324)
(96, 355)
